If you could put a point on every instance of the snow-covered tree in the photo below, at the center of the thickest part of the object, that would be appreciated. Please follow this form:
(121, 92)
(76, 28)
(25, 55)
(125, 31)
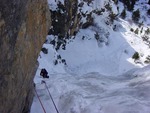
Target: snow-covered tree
(129, 4)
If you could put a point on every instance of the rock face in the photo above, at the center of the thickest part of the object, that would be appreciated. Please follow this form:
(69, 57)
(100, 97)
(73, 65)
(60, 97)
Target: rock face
(24, 25)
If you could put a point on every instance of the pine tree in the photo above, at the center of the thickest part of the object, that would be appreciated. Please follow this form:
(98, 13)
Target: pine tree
(131, 29)
(129, 4)
(108, 7)
(132, 4)
(147, 31)
(136, 31)
(123, 14)
(112, 17)
(148, 12)
(115, 1)
(136, 56)
(136, 16)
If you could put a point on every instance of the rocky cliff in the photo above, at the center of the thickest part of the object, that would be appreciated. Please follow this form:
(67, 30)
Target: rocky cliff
(24, 25)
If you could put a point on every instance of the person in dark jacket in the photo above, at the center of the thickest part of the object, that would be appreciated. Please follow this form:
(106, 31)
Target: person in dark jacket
(44, 73)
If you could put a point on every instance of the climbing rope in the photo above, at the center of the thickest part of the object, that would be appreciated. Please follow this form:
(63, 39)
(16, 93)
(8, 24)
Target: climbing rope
(50, 96)
(40, 101)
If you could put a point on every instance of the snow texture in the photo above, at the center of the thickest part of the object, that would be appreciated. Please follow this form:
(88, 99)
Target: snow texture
(100, 75)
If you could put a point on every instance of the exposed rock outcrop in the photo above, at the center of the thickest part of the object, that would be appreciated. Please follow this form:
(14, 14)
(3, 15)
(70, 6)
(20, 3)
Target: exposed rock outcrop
(24, 25)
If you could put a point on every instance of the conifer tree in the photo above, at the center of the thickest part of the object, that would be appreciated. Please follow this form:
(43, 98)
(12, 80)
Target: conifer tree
(129, 4)
(123, 14)
(136, 16)
(148, 11)
(136, 31)
(115, 1)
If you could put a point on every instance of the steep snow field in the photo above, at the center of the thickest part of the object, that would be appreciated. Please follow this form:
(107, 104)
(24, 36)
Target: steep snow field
(100, 75)
(93, 80)
(96, 93)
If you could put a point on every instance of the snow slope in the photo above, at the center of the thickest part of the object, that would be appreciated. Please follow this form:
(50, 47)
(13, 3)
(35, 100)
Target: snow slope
(100, 75)
(96, 93)
(88, 55)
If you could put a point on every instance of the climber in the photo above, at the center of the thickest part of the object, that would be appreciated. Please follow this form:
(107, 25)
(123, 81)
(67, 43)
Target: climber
(44, 73)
